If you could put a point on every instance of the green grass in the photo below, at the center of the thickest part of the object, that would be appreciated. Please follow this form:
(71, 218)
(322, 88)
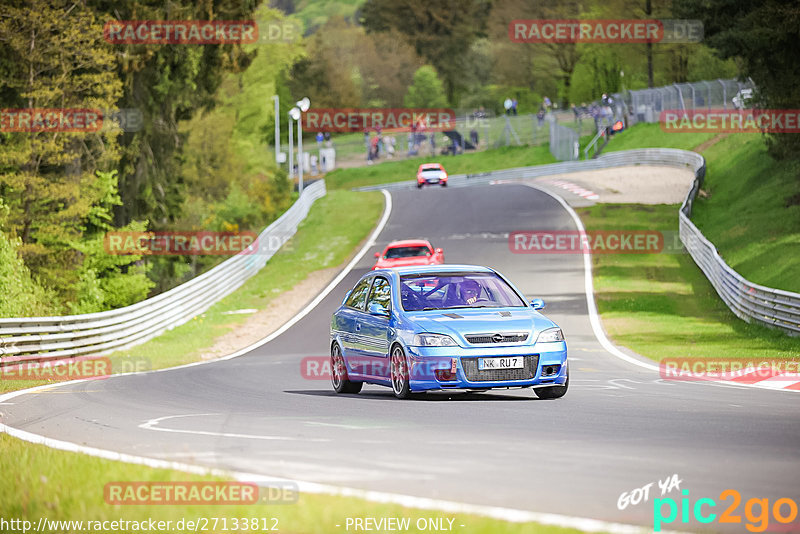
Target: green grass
(394, 171)
(42, 482)
(652, 136)
(336, 224)
(748, 214)
(746, 190)
(661, 305)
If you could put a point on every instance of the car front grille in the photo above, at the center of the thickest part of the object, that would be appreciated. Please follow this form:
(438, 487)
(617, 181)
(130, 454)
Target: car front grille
(509, 337)
(473, 374)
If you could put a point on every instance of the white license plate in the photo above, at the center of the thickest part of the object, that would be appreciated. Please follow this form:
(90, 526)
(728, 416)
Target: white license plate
(510, 362)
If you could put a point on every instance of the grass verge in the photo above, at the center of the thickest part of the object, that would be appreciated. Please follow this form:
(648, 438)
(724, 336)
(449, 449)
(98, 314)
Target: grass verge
(335, 225)
(661, 305)
(744, 190)
(64, 486)
(645, 135)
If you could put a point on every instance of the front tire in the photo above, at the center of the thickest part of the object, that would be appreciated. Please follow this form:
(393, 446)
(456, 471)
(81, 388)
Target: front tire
(553, 392)
(339, 379)
(399, 374)
(444, 184)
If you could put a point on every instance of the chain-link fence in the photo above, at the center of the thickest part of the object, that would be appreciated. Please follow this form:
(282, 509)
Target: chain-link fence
(474, 131)
(564, 145)
(471, 133)
(645, 105)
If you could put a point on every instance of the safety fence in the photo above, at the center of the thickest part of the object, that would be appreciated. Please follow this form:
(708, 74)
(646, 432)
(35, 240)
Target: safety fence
(645, 105)
(51, 338)
(748, 300)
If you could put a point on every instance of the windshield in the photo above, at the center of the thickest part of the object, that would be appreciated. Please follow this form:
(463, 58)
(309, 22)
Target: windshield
(456, 290)
(431, 171)
(407, 252)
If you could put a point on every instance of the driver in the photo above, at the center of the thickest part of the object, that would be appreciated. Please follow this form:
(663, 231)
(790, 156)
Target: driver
(470, 289)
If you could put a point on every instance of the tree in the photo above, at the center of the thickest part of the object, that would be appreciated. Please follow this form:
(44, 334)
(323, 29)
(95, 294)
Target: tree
(426, 90)
(440, 32)
(53, 57)
(764, 35)
(167, 83)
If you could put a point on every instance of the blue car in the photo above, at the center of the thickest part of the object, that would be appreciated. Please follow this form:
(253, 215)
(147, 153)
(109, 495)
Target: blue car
(444, 327)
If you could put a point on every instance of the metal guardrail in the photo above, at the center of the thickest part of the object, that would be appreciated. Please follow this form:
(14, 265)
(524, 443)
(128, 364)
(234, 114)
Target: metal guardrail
(593, 144)
(49, 338)
(748, 300)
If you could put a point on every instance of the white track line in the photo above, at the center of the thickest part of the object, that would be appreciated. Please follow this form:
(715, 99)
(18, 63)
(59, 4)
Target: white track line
(409, 501)
(588, 287)
(494, 512)
(594, 317)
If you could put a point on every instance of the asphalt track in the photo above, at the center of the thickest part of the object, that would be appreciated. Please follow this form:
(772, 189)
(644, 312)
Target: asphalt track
(620, 427)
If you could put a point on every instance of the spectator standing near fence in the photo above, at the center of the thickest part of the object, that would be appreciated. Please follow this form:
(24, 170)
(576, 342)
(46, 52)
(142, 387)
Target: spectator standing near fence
(473, 137)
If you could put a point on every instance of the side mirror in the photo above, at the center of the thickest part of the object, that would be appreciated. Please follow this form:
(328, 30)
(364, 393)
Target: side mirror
(376, 309)
(377, 254)
(439, 251)
(537, 304)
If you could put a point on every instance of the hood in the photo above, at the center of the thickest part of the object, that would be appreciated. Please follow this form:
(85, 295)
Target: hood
(403, 262)
(461, 321)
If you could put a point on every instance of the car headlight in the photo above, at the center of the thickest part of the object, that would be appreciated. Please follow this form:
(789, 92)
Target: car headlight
(434, 340)
(551, 335)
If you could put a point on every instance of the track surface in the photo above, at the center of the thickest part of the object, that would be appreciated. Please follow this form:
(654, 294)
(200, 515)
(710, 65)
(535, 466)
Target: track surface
(620, 427)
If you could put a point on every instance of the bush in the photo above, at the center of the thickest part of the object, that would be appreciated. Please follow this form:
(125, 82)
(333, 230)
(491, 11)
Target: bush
(20, 294)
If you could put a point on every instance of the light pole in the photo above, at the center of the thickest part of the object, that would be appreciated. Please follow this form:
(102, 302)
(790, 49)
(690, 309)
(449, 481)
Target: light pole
(303, 106)
(291, 147)
(277, 101)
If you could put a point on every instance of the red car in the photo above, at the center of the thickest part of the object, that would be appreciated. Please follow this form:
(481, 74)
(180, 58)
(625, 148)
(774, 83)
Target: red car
(431, 173)
(409, 252)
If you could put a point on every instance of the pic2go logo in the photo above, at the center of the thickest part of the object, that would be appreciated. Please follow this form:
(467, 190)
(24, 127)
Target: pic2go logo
(757, 511)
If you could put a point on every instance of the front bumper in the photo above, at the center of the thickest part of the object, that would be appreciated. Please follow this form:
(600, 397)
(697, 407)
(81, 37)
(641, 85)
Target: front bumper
(425, 361)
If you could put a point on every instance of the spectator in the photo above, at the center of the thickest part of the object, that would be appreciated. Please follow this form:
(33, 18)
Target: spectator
(507, 105)
(320, 138)
(389, 142)
(313, 161)
(547, 104)
(514, 106)
(473, 137)
(540, 116)
(433, 143)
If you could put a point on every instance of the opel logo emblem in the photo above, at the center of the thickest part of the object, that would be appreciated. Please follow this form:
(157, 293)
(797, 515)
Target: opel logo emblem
(497, 338)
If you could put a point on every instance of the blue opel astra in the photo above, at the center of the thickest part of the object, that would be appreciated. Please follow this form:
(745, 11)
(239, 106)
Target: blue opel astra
(444, 327)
